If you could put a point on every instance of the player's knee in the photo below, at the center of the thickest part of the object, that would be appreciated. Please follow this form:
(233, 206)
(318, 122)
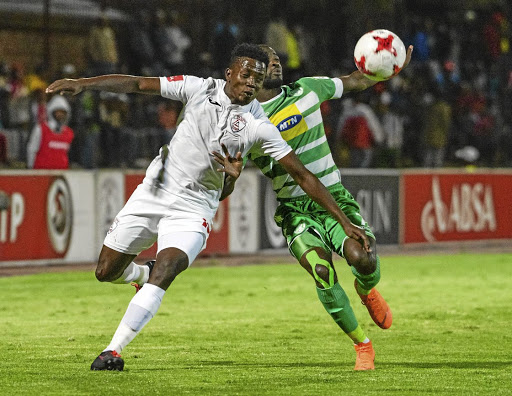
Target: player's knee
(323, 272)
(111, 264)
(103, 274)
(319, 264)
(358, 258)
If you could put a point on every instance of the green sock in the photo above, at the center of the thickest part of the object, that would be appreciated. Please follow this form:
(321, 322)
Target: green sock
(337, 304)
(357, 336)
(365, 283)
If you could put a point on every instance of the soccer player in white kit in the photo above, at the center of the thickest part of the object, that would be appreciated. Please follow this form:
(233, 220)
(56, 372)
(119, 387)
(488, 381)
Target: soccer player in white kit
(180, 194)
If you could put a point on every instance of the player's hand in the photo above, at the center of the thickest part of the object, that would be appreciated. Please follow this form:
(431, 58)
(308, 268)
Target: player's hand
(66, 86)
(358, 234)
(408, 56)
(232, 166)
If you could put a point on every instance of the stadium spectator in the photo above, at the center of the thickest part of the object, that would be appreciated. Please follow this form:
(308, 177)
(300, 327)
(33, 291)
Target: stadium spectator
(88, 126)
(113, 111)
(360, 129)
(171, 41)
(422, 39)
(19, 98)
(142, 49)
(38, 112)
(306, 43)
(483, 134)
(436, 130)
(311, 233)
(36, 85)
(496, 33)
(102, 48)
(180, 194)
(293, 66)
(226, 34)
(50, 141)
(389, 155)
(276, 35)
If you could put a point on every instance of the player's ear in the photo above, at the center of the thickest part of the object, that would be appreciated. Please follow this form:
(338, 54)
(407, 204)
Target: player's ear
(227, 74)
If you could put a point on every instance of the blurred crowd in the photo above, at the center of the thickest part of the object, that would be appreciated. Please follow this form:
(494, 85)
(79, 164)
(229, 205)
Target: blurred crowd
(450, 107)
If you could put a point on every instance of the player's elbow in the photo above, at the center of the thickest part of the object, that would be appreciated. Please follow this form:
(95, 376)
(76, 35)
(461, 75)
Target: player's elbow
(148, 85)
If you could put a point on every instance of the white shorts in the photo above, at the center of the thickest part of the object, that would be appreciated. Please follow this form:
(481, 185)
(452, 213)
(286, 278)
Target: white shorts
(190, 242)
(146, 218)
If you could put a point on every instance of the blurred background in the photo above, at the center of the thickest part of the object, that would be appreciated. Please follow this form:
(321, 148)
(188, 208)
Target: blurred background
(450, 107)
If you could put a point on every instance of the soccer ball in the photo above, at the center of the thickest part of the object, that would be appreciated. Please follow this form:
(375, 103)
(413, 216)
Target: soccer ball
(379, 54)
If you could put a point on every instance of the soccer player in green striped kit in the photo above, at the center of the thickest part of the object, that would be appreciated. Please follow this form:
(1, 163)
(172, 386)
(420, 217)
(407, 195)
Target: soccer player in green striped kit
(311, 233)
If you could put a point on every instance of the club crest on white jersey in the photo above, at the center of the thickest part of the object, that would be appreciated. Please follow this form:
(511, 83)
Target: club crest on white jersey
(238, 123)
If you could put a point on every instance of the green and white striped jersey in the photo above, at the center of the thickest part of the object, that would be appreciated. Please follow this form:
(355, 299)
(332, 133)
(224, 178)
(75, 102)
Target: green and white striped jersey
(296, 113)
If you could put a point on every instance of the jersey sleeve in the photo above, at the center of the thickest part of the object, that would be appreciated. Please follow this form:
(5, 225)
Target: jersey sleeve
(180, 87)
(269, 142)
(257, 111)
(325, 87)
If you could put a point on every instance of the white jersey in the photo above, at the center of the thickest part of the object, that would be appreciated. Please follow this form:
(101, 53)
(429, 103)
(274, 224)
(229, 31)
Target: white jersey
(209, 119)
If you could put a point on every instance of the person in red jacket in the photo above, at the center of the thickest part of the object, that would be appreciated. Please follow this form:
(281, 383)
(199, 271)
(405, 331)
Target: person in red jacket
(50, 141)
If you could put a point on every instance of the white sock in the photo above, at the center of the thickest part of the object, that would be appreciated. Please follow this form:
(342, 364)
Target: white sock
(143, 306)
(134, 273)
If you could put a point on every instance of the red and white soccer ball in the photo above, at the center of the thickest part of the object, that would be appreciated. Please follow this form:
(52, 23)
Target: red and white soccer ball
(379, 54)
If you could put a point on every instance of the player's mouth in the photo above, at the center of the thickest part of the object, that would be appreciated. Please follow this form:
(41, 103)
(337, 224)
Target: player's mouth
(276, 73)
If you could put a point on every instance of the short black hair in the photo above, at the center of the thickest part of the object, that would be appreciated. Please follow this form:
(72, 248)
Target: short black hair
(249, 51)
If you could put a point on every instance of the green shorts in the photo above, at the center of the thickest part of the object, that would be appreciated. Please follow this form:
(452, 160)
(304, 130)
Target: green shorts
(298, 215)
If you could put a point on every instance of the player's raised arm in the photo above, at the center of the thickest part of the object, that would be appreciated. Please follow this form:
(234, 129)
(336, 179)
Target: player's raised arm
(118, 83)
(319, 193)
(357, 81)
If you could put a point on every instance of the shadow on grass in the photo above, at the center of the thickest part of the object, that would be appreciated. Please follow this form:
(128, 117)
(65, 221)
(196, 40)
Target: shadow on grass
(414, 365)
(454, 365)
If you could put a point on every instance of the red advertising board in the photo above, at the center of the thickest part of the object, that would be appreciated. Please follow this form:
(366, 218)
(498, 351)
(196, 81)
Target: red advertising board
(218, 241)
(456, 207)
(39, 220)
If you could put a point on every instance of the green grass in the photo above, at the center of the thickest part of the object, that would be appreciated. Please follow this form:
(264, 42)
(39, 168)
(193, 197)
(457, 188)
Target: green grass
(260, 330)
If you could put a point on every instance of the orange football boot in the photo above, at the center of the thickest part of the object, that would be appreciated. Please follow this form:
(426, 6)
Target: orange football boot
(377, 307)
(365, 356)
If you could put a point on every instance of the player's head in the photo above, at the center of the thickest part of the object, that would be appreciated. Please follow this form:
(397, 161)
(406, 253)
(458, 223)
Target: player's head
(274, 78)
(245, 74)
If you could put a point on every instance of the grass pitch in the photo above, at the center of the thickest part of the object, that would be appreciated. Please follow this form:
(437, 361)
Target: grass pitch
(260, 330)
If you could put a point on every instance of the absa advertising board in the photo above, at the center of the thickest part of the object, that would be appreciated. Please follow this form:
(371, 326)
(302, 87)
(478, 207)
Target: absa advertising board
(456, 207)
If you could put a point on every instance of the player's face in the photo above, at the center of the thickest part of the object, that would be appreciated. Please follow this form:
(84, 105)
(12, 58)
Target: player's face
(244, 80)
(274, 78)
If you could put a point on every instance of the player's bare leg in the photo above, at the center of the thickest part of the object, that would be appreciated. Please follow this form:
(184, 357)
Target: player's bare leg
(366, 268)
(144, 305)
(111, 264)
(117, 267)
(169, 264)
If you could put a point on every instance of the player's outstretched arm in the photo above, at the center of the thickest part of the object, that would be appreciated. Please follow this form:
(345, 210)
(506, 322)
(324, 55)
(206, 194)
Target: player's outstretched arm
(318, 193)
(231, 166)
(118, 83)
(357, 81)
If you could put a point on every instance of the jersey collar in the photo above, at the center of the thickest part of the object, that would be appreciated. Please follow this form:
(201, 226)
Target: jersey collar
(280, 95)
